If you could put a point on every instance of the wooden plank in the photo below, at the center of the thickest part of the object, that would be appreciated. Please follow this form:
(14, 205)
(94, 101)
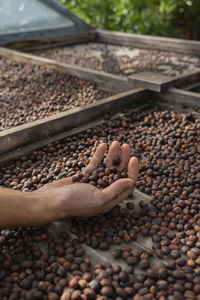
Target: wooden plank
(169, 106)
(187, 78)
(181, 99)
(107, 82)
(25, 150)
(158, 82)
(149, 42)
(22, 135)
(49, 42)
(151, 81)
(192, 86)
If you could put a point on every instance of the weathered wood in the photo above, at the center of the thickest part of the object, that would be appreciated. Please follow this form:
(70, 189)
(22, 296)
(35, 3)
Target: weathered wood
(176, 98)
(19, 152)
(39, 130)
(178, 109)
(25, 150)
(149, 42)
(49, 42)
(158, 82)
(151, 81)
(187, 78)
(105, 81)
(192, 86)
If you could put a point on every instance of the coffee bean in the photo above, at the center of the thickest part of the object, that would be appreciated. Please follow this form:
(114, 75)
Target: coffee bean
(116, 254)
(103, 246)
(144, 264)
(107, 291)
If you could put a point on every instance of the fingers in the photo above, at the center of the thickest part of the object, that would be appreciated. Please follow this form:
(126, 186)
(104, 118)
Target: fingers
(125, 154)
(118, 151)
(116, 201)
(117, 188)
(114, 151)
(97, 158)
(133, 168)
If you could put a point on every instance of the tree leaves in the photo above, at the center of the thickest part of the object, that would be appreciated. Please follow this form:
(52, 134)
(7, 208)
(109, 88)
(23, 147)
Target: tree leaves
(174, 18)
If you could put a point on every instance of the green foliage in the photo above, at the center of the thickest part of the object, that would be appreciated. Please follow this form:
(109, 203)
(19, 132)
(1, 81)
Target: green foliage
(175, 18)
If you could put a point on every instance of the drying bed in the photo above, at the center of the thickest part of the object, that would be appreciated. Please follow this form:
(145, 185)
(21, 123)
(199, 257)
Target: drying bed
(30, 92)
(122, 60)
(146, 249)
(128, 89)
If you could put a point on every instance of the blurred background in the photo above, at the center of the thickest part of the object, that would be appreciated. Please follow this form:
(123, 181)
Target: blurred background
(170, 18)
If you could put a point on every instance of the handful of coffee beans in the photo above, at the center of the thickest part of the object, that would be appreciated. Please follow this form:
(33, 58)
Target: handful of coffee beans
(102, 176)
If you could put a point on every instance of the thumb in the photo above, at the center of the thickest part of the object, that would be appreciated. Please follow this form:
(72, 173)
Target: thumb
(116, 189)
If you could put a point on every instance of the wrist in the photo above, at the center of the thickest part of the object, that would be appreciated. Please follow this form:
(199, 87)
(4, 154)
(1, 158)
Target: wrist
(51, 205)
(43, 210)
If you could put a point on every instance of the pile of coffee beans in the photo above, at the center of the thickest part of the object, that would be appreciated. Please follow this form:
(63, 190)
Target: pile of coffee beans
(106, 282)
(113, 228)
(121, 60)
(109, 281)
(134, 256)
(31, 92)
(167, 145)
(29, 272)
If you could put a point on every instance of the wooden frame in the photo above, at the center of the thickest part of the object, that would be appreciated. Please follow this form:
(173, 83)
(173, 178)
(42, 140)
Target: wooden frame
(149, 42)
(62, 40)
(179, 99)
(40, 130)
(22, 140)
(38, 133)
(107, 82)
(158, 82)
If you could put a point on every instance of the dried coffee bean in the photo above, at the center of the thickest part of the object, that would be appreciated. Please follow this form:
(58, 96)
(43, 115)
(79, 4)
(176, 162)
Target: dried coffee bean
(95, 285)
(103, 246)
(107, 291)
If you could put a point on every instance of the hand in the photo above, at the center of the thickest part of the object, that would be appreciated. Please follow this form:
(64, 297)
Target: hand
(63, 198)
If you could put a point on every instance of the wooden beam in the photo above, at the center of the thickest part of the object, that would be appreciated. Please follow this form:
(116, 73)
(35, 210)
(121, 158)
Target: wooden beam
(187, 78)
(159, 82)
(192, 86)
(41, 45)
(107, 82)
(25, 150)
(181, 99)
(149, 42)
(49, 42)
(39, 130)
(12, 155)
(151, 81)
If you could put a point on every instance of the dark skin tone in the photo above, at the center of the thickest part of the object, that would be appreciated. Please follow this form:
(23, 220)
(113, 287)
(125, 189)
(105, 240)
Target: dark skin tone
(62, 199)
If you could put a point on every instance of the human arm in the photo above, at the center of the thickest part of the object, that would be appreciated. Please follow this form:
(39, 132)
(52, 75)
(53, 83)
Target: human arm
(62, 198)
